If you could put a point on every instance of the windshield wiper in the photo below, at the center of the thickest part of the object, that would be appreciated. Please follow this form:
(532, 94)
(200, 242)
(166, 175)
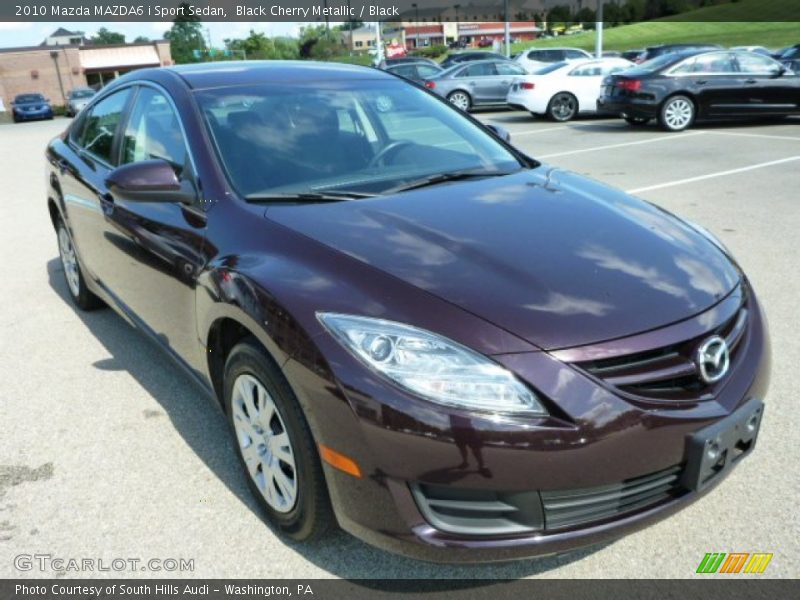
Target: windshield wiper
(445, 177)
(329, 196)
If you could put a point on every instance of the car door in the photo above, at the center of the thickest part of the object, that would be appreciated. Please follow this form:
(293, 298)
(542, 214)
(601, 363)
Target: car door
(766, 87)
(714, 81)
(481, 82)
(154, 250)
(507, 72)
(91, 157)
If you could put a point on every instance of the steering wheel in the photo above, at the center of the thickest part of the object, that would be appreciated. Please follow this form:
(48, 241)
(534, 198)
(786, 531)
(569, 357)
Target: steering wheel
(379, 158)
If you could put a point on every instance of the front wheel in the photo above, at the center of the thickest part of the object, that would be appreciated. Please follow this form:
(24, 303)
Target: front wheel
(677, 113)
(76, 282)
(275, 446)
(460, 100)
(562, 107)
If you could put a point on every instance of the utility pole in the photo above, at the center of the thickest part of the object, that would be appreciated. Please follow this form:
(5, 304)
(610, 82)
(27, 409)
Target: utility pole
(415, 6)
(507, 29)
(378, 43)
(54, 56)
(598, 41)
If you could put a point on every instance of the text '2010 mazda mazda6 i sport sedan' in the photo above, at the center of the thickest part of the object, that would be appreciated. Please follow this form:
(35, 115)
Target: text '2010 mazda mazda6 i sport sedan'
(451, 350)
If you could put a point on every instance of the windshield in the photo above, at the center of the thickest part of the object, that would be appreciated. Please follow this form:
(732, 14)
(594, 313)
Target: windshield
(364, 137)
(25, 98)
(81, 94)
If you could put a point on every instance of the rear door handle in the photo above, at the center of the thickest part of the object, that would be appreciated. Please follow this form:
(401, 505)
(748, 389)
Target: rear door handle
(750, 81)
(701, 81)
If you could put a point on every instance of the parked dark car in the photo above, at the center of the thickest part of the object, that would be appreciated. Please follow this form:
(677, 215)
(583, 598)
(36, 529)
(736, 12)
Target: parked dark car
(452, 350)
(656, 51)
(415, 71)
(476, 83)
(77, 99)
(31, 107)
(788, 53)
(485, 43)
(460, 57)
(390, 62)
(632, 55)
(677, 89)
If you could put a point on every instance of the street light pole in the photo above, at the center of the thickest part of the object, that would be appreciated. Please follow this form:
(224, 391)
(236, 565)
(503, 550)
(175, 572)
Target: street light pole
(507, 29)
(598, 27)
(458, 36)
(415, 6)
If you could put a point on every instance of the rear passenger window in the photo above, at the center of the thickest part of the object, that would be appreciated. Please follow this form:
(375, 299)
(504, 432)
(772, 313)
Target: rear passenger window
(481, 70)
(97, 136)
(153, 131)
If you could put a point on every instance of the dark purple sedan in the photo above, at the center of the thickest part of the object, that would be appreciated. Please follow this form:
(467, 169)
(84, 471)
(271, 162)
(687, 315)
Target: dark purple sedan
(451, 350)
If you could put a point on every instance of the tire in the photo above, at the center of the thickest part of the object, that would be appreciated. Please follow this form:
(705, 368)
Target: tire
(637, 121)
(562, 107)
(73, 273)
(677, 113)
(460, 99)
(300, 508)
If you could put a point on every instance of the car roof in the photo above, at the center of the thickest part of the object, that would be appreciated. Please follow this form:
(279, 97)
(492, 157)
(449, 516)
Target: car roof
(244, 72)
(559, 48)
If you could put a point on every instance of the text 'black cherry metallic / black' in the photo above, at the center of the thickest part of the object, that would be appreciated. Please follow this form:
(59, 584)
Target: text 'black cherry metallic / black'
(680, 88)
(451, 350)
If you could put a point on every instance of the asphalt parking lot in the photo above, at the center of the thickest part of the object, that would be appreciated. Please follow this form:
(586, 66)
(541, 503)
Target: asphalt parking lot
(107, 451)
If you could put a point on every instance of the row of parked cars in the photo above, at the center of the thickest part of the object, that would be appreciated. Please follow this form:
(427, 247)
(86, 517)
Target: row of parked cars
(675, 84)
(34, 106)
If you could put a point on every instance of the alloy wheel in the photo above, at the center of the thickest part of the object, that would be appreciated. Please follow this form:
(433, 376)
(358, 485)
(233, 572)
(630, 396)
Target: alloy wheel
(264, 443)
(563, 107)
(678, 114)
(459, 100)
(69, 261)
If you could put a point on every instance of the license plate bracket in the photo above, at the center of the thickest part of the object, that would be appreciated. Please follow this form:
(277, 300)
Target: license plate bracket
(714, 450)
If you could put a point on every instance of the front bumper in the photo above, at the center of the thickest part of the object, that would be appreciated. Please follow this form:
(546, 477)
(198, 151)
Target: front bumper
(33, 115)
(596, 442)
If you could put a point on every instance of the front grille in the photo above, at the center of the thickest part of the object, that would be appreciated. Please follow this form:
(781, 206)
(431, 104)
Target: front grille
(483, 513)
(569, 508)
(668, 373)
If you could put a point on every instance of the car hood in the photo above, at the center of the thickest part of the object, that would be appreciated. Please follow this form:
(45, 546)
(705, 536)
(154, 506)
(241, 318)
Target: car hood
(29, 104)
(555, 258)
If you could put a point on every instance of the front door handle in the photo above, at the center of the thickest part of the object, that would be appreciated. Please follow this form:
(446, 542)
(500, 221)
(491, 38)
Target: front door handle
(701, 81)
(751, 81)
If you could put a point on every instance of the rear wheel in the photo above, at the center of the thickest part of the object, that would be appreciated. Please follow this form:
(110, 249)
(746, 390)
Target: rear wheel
(677, 113)
(637, 121)
(562, 107)
(76, 283)
(460, 100)
(275, 446)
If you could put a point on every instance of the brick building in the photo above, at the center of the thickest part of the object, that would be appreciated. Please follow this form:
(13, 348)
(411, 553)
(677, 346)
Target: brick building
(55, 69)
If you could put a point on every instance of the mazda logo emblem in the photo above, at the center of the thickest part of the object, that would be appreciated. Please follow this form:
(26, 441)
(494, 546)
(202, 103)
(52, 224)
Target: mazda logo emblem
(713, 359)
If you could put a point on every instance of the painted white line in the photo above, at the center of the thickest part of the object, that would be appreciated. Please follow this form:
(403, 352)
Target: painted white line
(755, 135)
(712, 175)
(663, 138)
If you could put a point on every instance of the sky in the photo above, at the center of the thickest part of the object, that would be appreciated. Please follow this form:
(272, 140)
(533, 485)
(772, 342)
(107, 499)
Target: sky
(31, 34)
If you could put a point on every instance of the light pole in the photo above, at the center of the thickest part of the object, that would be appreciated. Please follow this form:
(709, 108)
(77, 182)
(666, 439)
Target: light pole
(415, 6)
(458, 35)
(598, 26)
(54, 56)
(507, 29)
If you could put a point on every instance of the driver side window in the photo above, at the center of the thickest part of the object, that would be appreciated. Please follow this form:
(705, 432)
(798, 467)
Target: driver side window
(153, 131)
(101, 124)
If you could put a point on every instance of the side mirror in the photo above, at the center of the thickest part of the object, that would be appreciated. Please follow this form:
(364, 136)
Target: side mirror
(149, 181)
(500, 132)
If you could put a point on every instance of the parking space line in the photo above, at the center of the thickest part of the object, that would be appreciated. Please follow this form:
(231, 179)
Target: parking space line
(755, 135)
(671, 136)
(712, 175)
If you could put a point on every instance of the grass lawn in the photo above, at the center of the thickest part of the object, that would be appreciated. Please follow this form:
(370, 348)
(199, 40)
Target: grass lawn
(725, 24)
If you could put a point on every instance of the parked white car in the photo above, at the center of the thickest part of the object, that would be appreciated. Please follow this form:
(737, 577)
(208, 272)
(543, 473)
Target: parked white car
(564, 89)
(537, 58)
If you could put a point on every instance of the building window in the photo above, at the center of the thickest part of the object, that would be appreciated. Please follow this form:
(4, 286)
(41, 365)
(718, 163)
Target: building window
(359, 44)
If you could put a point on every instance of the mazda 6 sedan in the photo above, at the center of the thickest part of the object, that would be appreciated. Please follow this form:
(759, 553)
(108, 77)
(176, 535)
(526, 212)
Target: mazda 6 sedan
(450, 349)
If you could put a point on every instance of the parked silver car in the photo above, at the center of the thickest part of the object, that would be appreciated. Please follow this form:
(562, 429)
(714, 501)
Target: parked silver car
(476, 83)
(77, 99)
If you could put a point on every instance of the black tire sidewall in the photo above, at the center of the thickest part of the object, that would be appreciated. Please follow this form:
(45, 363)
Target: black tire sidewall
(310, 517)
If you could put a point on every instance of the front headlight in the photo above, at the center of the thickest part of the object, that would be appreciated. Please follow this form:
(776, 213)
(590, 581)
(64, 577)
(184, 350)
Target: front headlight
(432, 366)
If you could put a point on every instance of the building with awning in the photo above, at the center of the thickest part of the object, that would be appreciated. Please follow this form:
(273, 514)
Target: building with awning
(57, 66)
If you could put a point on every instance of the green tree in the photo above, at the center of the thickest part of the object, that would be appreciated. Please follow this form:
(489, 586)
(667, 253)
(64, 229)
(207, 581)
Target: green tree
(104, 37)
(258, 46)
(186, 36)
(141, 39)
(320, 43)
